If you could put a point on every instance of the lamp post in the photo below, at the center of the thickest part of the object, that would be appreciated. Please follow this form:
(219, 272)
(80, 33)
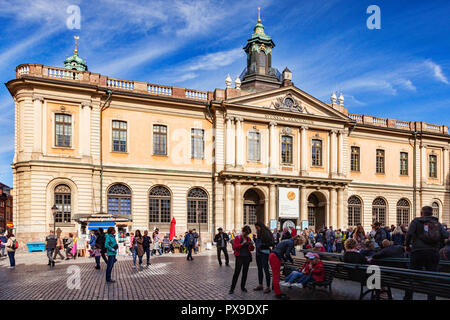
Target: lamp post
(198, 219)
(54, 212)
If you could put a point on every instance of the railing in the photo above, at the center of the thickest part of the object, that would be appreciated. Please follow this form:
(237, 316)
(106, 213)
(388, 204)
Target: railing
(120, 84)
(198, 95)
(23, 70)
(379, 121)
(402, 124)
(433, 127)
(156, 89)
(63, 74)
(356, 117)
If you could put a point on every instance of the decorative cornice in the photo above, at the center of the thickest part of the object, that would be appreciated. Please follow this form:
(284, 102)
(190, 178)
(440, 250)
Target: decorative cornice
(35, 97)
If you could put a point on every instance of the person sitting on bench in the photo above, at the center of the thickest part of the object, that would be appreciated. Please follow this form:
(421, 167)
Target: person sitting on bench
(311, 270)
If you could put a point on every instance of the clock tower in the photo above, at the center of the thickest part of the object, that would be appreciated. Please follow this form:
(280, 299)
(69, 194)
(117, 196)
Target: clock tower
(259, 74)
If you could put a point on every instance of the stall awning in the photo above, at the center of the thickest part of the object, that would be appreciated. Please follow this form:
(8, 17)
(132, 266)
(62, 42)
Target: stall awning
(104, 225)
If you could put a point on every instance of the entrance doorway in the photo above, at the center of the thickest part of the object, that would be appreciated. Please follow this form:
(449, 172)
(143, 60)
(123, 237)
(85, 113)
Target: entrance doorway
(253, 207)
(316, 211)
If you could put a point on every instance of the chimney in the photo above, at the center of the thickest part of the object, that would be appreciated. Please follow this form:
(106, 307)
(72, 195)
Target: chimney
(287, 78)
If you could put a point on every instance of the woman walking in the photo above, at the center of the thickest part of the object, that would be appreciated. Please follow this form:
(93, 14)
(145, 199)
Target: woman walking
(11, 246)
(138, 248)
(69, 246)
(264, 242)
(111, 251)
(242, 246)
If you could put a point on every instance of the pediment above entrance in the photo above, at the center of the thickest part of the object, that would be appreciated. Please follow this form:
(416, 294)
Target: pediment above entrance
(288, 99)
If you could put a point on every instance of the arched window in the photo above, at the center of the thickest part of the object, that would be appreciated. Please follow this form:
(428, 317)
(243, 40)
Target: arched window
(197, 206)
(379, 211)
(435, 207)
(159, 204)
(119, 199)
(313, 204)
(354, 211)
(63, 201)
(403, 212)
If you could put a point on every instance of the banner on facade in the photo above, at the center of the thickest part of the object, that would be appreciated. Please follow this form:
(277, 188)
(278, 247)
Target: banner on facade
(288, 203)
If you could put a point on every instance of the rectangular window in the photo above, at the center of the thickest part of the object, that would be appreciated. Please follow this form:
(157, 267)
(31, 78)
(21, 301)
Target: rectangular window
(380, 161)
(355, 159)
(254, 146)
(159, 139)
(197, 143)
(403, 163)
(119, 136)
(63, 130)
(316, 152)
(432, 166)
(286, 149)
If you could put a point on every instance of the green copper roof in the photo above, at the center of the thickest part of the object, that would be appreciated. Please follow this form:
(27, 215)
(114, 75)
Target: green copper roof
(75, 62)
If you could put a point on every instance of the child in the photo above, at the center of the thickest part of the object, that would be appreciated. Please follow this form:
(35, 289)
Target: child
(97, 255)
(313, 268)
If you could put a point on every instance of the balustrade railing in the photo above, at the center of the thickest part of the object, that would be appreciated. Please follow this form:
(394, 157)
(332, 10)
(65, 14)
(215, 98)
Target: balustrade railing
(63, 74)
(198, 95)
(156, 89)
(120, 84)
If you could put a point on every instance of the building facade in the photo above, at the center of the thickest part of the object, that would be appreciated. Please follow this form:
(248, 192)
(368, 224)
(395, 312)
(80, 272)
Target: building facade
(6, 207)
(140, 154)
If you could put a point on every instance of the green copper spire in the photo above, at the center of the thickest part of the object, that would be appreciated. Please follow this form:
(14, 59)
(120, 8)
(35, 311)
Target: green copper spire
(75, 62)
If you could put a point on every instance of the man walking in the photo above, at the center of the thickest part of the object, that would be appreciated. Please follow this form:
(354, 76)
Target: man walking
(189, 243)
(50, 246)
(423, 239)
(100, 241)
(196, 240)
(59, 247)
(330, 237)
(221, 239)
(146, 245)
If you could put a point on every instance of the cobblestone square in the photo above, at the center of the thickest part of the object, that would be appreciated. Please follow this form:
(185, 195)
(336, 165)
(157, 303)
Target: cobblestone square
(170, 277)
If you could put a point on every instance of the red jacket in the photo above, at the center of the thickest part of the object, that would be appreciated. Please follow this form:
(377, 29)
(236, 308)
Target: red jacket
(237, 245)
(317, 271)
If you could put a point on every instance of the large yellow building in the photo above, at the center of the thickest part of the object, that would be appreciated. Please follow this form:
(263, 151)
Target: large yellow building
(137, 154)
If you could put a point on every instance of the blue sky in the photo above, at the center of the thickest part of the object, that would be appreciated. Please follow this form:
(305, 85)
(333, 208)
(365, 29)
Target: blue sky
(401, 71)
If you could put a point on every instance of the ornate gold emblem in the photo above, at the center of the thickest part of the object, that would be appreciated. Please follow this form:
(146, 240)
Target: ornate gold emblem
(291, 195)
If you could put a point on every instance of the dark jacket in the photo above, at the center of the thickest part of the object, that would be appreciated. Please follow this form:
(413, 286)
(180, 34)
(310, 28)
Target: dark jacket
(217, 240)
(146, 242)
(286, 235)
(416, 230)
(380, 235)
(100, 242)
(283, 250)
(398, 239)
(394, 251)
(186, 240)
(354, 257)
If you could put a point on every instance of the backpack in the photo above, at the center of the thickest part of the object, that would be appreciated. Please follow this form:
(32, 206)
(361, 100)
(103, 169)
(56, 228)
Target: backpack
(15, 245)
(431, 232)
(191, 240)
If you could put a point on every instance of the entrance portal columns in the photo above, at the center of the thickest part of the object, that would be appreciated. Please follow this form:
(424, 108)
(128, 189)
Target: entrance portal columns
(238, 207)
(340, 208)
(303, 204)
(332, 218)
(229, 218)
(272, 202)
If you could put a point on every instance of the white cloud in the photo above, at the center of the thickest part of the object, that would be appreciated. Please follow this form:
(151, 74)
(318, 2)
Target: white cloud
(437, 71)
(216, 60)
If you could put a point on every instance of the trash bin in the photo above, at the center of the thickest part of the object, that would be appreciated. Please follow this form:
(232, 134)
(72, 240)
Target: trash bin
(36, 246)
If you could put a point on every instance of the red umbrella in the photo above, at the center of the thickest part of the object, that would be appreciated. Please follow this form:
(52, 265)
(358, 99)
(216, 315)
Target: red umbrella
(172, 229)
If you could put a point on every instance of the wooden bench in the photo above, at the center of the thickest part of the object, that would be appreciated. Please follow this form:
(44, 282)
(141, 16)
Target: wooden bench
(312, 284)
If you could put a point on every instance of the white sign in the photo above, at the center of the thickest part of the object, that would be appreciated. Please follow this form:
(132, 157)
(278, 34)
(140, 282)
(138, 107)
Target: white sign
(288, 203)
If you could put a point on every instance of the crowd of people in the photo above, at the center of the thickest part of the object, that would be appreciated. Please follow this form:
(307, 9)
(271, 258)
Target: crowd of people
(425, 242)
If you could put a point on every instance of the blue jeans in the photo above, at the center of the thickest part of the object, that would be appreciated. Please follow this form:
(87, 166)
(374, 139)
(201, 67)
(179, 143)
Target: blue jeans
(12, 260)
(109, 267)
(339, 247)
(147, 253)
(329, 246)
(189, 256)
(297, 276)
(135, 250)
(97, 261)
